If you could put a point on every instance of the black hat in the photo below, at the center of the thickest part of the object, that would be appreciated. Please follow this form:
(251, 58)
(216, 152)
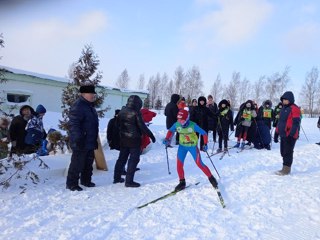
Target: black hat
(87, 89)
(116, 112)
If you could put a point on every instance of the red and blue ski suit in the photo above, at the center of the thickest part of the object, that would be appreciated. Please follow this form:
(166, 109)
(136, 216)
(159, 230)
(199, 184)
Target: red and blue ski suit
(188, 141)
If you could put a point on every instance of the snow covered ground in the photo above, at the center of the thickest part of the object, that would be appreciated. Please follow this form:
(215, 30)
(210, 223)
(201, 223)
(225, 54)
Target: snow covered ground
(260, 204)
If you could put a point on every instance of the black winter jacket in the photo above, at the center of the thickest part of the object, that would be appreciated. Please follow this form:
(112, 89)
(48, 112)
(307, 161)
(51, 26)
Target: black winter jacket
(113, 133)
(225, 118)
(132, 126)
(83, 125)
(171, 110)
(201, 113)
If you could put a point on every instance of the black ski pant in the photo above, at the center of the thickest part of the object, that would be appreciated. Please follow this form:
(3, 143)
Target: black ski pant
(223, 136)
(132, 163)
(286, 149)
(80, 167)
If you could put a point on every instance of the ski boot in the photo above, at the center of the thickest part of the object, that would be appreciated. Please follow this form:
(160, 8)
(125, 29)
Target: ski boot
(242, 145)
(213, 182)
(219, 150)
(181, 185)
(237, 145)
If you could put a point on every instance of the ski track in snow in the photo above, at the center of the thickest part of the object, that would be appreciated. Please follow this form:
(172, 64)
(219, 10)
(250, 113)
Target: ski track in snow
(259, 204)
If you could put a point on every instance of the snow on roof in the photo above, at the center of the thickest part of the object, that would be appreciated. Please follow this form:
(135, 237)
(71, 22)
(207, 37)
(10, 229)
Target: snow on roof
(60, 79)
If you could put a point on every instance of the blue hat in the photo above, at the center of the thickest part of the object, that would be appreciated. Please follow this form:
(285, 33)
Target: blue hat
(41, 109)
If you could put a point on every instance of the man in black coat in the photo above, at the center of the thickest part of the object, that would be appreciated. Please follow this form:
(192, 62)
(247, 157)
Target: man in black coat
(132, 127)
(83, 132)
(17, 131)
(171, 111)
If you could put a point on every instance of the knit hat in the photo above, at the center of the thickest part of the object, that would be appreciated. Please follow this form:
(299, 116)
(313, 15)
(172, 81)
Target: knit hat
(40, 109)
(183, 114)
(87, 89)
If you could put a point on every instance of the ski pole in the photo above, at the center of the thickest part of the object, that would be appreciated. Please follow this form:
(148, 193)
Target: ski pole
(212, 163)
(304, 133)
(168, 160)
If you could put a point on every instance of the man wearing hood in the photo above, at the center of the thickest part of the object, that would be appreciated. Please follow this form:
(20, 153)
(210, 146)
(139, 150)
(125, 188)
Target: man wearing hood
(288, 129)
(132, 127)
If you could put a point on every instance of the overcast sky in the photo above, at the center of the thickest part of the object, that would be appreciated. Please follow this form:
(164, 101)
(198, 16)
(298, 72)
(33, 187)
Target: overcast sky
(253, 37)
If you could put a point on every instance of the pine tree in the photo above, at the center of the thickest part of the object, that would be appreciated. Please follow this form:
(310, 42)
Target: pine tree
(84, 72)
(146, 103)
(158, 104)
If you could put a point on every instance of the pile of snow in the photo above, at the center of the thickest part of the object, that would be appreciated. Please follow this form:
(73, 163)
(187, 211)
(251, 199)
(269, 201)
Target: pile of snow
(260, 204)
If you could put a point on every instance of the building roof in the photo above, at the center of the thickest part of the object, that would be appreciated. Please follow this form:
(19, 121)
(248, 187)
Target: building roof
(60, 79)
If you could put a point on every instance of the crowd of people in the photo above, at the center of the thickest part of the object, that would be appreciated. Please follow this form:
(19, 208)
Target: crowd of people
(188, 126)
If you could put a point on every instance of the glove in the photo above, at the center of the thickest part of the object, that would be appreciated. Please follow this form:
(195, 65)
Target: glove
(153, 138)
(166, 142)
(205, 148)
(276, 140)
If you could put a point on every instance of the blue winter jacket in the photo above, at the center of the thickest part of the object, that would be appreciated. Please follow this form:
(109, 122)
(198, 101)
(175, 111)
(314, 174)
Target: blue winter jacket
(83, 125)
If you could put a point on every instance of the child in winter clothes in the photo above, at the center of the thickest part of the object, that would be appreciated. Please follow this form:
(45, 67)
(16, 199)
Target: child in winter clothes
(244, 121)
(265, 113)
(4, 134)
(35, 131)
(276, 116)
(188, 143)
(225, 120)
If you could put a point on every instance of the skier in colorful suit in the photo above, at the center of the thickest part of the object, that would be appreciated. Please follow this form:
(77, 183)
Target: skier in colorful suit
(188, 143)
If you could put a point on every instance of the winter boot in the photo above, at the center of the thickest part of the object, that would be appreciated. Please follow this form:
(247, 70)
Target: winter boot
(213, 182)
(242, 145)
(132, 184)
(219, 150)
(181, 185)
(284, 171)
(237, 145)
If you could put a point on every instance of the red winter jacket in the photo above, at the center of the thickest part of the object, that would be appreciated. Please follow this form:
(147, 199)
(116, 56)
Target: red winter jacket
(147, 116)
(290, 118)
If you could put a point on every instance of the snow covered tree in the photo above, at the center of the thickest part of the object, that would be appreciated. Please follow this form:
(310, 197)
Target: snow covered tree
(83, 72)
(123, 80)
(310, 90)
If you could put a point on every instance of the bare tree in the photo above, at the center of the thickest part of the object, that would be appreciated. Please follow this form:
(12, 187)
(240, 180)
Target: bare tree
(231, 91)
(123, 80)
(179, 79)
(169, 91)
(193, 83)
(258, 89)
(153, 86)
(216, 89)
(162, 87)
(276, 85)
(141, 81)
(244, 90)
(310, 90)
